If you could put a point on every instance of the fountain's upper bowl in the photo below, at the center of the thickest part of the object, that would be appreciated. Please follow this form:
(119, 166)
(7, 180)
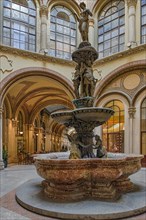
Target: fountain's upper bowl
(93, 114)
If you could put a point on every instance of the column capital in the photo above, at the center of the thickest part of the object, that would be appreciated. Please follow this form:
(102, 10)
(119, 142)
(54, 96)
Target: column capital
(131, 112)
(1, 110)
(14, 122)
(131, 3)
(91, 22)
(44, 10)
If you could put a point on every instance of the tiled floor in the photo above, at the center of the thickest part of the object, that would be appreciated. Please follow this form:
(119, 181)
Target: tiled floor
(10, 179)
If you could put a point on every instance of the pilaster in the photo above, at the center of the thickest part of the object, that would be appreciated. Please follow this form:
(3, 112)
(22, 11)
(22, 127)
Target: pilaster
(131, 22)
(1, 140)
(44, 19)
(131, 112)
(91, 31)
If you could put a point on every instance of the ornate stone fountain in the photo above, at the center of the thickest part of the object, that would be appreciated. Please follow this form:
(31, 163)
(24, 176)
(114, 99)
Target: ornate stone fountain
(84, 174)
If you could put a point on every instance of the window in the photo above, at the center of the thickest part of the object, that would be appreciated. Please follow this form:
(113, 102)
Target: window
(113, 129)
(62, 33)
(143, 127)
(111, 28)
(143, 21)
(19, 24)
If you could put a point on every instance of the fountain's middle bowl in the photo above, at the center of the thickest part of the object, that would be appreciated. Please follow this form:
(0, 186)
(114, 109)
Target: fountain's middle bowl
(93, 114)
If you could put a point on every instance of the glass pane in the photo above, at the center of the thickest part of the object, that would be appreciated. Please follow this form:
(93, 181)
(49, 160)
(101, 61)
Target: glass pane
(122, 30)
(6, 12)
(59, 37)
(100, 30)
(32, 12)
(107, 36)
(100, 47)
(73, 33)
(144, 19)
(115, 23)
(67, 39)
(6, 41)
(67, 55)
(6, 23)
(107, 44)
(31, 39)
(144, 10)
(73, 41)
(115, 49)
(66, 47)
(52, 35)
(52, 27)
(6, 32)
(67, 31)
(7, 4)
(59, 46)
(107, 27)
(16, 26)
(100, 39)
(31, 30)
(15, 6)
(73, 49)
(121, 38)
(52, 52)
(59, 28)
(114, 33)
(52, 44)
(24, 17)
(15, 14)
(31, 47)
(32, 20)
(59, 54)
(23, 9)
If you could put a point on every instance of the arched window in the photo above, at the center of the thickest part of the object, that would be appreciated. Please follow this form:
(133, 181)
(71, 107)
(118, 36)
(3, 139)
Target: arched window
(111, 28)
(19, 21)
(62, 32)
(143, 127)
(20, 124)
(113, 129)
(143, 21)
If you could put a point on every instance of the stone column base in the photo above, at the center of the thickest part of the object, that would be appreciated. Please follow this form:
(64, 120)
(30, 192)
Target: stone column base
(1, 165)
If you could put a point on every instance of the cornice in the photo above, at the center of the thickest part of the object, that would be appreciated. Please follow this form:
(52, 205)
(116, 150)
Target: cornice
(34, 55)
(47, 58)
(122, 54)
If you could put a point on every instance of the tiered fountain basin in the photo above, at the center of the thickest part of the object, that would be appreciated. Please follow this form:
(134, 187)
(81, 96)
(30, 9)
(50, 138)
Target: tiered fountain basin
(93, 178)
(90, 115)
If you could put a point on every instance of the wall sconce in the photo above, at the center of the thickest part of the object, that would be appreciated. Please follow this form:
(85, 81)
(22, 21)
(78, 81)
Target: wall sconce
(36, 134)
(21, 132)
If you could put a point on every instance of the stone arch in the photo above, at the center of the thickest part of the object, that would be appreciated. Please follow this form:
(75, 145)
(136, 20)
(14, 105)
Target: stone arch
(70, 4)
(135, 65)
(12, 78)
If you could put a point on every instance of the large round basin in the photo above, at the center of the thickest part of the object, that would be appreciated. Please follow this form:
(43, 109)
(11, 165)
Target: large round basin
(93, 114)
(75, 179)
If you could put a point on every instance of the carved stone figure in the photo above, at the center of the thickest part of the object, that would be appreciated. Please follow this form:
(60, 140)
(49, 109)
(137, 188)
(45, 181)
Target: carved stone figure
(101, 152)
(89, 81)
(76, 80)
(84, 21)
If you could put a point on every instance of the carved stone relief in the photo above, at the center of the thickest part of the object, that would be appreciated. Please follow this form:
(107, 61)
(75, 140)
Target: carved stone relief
(5, 64)
(129, 83)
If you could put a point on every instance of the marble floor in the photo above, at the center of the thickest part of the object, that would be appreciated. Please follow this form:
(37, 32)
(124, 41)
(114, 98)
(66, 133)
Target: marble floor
(12, 177)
